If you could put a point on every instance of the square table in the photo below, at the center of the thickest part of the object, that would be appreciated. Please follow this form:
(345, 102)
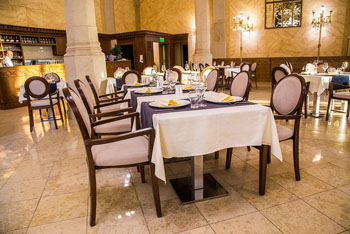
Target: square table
(194, 133)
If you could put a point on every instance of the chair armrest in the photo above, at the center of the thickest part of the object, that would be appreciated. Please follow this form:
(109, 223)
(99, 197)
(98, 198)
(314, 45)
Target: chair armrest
(340, 85)
(112, 103)
(111, 113)
(142, 132)
(120, 117)
(106, 95)
(287, 116)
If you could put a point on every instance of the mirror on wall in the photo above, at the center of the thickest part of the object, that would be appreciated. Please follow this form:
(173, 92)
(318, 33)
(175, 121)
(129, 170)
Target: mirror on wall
(283, 13)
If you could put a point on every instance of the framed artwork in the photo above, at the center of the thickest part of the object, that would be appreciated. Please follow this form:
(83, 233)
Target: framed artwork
(283, 13)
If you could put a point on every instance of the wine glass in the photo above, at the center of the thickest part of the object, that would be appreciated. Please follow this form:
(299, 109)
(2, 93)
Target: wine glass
(325, 67)
(155, 68)
(194, 67)
(200, 90)
(344, 65)
(163, 68)
(187, 67)
(126, 68)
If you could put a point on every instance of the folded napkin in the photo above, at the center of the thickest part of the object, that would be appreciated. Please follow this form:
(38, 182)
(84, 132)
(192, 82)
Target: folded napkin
(170, 102)
(221, 97)
(147, 90)
(137, 84)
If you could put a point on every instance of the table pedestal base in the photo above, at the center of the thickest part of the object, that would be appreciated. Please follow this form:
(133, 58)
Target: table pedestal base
(186, 193)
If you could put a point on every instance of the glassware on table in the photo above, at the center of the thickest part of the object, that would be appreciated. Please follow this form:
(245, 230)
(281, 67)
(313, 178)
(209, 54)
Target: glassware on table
(200, 90)
(155, 68)
(187, 67)
(194, 67)
(127, 69)
(163, 68)
(193, 99)
(165, 89)
(325, 67)
(345, 65)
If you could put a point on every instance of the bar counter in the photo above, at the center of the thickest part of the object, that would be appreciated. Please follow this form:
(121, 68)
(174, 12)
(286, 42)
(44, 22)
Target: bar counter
(11, 79)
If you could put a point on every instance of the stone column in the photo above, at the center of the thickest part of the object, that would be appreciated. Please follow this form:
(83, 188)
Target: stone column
(202, 48)
(83, 55)
(218, 47)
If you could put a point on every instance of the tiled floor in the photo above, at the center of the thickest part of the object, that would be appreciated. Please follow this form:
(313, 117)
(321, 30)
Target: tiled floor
(44, 185)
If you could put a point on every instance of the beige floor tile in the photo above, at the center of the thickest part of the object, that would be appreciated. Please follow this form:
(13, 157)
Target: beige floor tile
(334, 203)
(274, 168)
(201, 230)
(16, 215)
(176, 217)
(330, 174)
(18, 231)
(122, 221)
(250, 223)
(66, 184)
(71, 226)
(345, 188)
(113, 177)
(116, 198)
(299, 217)
(30, 170)
(15, 190)
(274, 194)
(4, 175)
(69, 166)
(233, 205)
(61, 207)
(307, 185)
(342, 163)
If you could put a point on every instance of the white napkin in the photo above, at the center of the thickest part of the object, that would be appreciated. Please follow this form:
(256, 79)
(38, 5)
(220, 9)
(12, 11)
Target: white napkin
(222, 97)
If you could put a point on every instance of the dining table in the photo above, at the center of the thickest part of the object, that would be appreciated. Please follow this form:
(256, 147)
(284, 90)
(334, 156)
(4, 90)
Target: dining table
(186, 132)
(319, 82)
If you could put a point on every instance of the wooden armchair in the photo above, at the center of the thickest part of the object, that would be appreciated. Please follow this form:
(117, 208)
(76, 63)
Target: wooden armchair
(131, 77)
(178, 73)
(117, 95)
(344, 96)
(55, 78)
(115, 152)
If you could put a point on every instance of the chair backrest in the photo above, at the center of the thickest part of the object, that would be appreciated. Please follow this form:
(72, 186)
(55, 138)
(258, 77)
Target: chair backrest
(179, 67)
(86, 95)
(253, 67)
(214, 63)
(205, 72)
(288, 95)
(206, 65)
(201, 66)
(232, 64)
(245, 67)
(240, 85)
(37, 87)
(93, 89)
(286, 68)
(176, 72)
(131, 77)
(277, 74)
(320, 68)
(212, 79)
(52, 77)
(79, 111)
(289, 66)
(147, 71)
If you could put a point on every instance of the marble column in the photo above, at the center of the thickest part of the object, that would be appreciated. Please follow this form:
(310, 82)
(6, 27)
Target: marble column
(83, 55)
(202, 48)
(218, 47)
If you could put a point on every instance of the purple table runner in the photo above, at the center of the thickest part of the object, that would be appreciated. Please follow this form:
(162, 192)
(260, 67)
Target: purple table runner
(147, 111)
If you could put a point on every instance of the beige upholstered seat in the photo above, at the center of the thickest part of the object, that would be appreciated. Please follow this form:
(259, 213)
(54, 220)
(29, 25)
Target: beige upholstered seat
(131, 151)
(123, 125)
(345, 95)
(284, 132)
(43, 102)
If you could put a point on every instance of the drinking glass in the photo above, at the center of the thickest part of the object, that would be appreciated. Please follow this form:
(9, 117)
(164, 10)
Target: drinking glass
(187, 67)
(163, 68)
(126, 68)
(325, 67)
(155, 68)
(194, 67)
(194, 100)
(200, 90)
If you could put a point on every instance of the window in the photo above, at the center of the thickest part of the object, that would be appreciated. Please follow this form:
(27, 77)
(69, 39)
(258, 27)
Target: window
(283, 13)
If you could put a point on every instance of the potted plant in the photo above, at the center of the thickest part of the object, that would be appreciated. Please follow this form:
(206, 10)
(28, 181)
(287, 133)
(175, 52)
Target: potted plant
(117, 51)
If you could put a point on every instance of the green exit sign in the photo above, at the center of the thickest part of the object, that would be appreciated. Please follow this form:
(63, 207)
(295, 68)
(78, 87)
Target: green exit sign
(161, 40)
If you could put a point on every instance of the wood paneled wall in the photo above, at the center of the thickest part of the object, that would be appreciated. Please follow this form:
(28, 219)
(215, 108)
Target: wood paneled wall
(265, 65)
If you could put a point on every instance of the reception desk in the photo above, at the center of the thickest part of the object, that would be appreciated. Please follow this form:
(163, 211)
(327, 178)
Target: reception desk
(11, 78)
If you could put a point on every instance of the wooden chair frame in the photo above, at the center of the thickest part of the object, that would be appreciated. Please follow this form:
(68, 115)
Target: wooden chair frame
(179, 73)
(57, 79)
(47, 92)
(253, 73)
(129, 72)
(330, 97)
(114, 96)
(90, 142)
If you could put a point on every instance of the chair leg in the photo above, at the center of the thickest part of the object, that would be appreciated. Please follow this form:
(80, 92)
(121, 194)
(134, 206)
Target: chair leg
(262, 168)
(296, 159)
(138, 169)
(328, 108)
(59, 109)
(142, 169)
(216, 154)
(64, 107)
(228, 158)
(92, 179)
(248, 148)
(256, 83)
(41, 117)
(155, 189)
(347, 115)
(54, 116)
(31, 120)
(268, 155)
(306, 103)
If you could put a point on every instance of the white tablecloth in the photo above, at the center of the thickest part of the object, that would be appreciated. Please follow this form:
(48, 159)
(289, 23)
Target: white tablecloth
(203, 131)
(229, 70)
(60, 86)
(318, 84)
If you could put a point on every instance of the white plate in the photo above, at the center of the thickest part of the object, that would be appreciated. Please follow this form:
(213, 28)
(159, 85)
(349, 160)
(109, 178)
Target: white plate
(143, 91)
(181, 102)
(211, 99)
(141, 85)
